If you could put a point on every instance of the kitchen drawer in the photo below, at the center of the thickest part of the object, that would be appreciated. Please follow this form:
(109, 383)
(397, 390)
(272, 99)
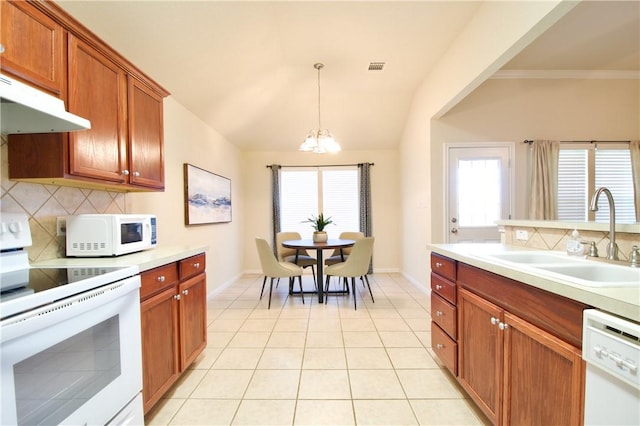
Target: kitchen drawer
(192, 266)
(158, 279)
(443, 266)
(444, 314)
(444, 288)
(445, 348)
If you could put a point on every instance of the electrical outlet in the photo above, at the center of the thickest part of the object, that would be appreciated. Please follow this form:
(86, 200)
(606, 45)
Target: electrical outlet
(61, 226)
(522, 235)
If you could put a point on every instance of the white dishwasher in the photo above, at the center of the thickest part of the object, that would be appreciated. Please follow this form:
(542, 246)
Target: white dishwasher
(611, 349)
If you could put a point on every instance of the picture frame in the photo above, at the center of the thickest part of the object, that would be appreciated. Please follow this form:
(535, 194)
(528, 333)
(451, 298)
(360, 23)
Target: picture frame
(207, 196)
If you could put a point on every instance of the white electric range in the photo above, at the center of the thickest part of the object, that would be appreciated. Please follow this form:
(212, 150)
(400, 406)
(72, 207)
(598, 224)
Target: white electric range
(70, 338)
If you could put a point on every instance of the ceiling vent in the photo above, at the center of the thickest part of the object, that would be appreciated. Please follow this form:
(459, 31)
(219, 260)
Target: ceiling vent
(376, 66)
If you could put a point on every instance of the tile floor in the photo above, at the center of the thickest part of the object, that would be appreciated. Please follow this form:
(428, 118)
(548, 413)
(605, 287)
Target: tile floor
(317, 364)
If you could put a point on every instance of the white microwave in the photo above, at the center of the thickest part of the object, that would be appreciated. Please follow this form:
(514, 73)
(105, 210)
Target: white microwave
(96, 235)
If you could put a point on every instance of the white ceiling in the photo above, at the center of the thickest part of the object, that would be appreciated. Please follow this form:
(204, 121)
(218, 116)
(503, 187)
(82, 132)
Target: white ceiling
(246, 68)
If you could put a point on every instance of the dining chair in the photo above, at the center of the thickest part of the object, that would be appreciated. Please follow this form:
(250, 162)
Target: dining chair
(340, 255)
(356, 265)
(292, 255)
(273, 268)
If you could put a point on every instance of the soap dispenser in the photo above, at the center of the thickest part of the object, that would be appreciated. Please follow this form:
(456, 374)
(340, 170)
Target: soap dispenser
(574, 246)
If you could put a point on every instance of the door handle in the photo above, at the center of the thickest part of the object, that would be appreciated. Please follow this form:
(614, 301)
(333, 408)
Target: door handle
(454, 230)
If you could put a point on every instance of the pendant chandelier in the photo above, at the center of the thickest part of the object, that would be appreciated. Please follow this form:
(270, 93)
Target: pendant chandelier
(319, 140)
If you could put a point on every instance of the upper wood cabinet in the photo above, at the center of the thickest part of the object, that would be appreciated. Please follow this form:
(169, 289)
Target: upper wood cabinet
(33, 47)
(124, 149)
(97, 91)
(146, 139)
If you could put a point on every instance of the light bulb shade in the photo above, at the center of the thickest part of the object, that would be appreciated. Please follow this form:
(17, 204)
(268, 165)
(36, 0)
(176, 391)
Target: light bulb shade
(320, 142)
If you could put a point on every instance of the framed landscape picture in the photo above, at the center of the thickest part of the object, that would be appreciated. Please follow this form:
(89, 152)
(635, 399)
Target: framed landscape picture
(207, 196)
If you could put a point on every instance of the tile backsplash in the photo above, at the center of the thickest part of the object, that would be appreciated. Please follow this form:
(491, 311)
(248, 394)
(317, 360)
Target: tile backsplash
(44, 203)
(556, 239)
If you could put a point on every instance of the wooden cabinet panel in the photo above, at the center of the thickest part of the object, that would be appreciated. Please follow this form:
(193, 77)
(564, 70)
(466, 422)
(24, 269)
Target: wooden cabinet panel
(542, 375)
(444, 314)
(97, 91)
(158, 279)
(480, 352)
(192, 266)
(443, 266)
(33, 45)
(160, 359)
(146, 138)
(445, 347)
(193, 318)
(174, 323)
(444, 288)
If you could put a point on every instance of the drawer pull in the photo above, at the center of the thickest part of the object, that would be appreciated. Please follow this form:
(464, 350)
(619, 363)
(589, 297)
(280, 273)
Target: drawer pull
(494, 320)
(185, 292)
(439, 346)
(438, 265)
(161, 279)
(196, 265)
(439, 313)
(438, 287)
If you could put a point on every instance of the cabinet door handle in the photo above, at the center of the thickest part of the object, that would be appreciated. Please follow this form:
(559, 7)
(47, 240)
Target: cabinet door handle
(439, 346)
(136, 174)
(185, 292)
(439, 313)
(161, 278)
(438, 287)
(177, 297)
(125, 172)
(503, 326)
(495, 321)
(438, 265)
(196, 265)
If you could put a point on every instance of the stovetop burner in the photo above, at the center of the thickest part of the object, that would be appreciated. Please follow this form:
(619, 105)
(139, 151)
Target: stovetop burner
(23, 287)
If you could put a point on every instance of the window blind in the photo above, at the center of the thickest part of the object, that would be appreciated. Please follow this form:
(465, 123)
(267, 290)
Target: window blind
(572, 185)
(332, 191)
(613, 171)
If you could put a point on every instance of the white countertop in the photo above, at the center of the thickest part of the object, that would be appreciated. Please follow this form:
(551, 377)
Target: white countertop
(621, 301)
(145, 260)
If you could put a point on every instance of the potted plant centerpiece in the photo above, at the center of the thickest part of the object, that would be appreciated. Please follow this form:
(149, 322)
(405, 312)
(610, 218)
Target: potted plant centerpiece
(319, 223)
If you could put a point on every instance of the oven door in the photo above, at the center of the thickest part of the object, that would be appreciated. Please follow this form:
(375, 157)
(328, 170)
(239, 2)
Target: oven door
(76, 361)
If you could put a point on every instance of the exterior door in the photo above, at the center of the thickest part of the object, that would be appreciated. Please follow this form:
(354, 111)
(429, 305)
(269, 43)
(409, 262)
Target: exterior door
(478, 191)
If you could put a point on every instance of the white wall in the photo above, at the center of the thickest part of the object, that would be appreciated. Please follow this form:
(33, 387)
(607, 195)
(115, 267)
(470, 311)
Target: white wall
(189, 140)
(515, 110)
(385, 199)
(495, 34)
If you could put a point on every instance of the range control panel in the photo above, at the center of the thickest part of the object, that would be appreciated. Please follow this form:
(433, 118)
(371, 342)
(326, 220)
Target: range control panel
(14, 231)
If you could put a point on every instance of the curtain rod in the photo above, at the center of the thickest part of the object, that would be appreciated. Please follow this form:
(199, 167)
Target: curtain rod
(323, 165)
(592, 141)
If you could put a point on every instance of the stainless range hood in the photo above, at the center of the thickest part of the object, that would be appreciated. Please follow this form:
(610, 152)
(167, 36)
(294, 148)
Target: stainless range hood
(28, 110)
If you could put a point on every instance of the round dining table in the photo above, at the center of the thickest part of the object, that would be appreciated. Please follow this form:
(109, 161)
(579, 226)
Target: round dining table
(319, 247)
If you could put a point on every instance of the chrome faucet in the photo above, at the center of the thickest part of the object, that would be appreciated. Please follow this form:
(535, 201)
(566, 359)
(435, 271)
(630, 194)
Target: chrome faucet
(612, 248)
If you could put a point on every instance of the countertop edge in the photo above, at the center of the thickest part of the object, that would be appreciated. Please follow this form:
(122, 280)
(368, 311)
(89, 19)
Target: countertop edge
(617, 301)
(144, 260)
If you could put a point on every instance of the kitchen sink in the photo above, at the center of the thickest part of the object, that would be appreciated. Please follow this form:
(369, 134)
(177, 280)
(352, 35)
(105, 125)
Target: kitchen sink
(598, 275)
(532, 257)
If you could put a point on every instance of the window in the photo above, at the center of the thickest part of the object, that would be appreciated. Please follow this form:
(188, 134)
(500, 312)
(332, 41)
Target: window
(581, 170)
(309, 191)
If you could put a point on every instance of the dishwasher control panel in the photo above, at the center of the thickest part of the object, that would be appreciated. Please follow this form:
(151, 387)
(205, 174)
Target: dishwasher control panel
(612, 344)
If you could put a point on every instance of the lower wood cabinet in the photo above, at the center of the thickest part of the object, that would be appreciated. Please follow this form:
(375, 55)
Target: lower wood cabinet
(517, 373)
(173, 319)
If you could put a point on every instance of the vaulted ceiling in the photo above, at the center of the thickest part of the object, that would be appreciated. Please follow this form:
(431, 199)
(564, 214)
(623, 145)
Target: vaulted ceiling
(246, 68)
